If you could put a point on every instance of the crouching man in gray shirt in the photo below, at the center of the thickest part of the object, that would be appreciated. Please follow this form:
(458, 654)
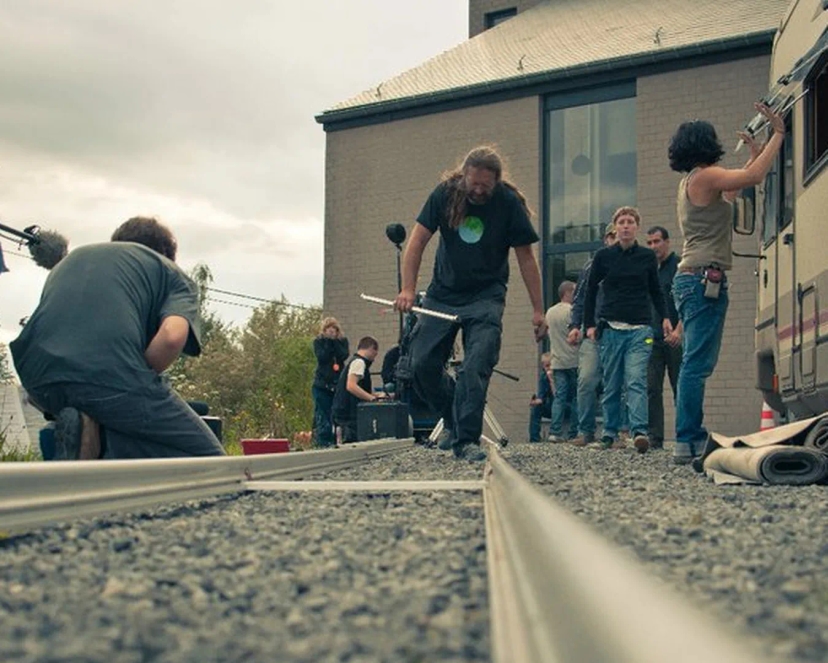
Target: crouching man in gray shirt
(112, 317)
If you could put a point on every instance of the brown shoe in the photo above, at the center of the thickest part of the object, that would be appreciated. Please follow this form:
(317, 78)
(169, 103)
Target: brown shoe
(641, 443)
(582, 440)
(619, 443)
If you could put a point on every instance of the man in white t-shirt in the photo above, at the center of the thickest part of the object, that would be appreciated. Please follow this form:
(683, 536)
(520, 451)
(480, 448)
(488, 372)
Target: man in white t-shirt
(564, 360)
(354, 385)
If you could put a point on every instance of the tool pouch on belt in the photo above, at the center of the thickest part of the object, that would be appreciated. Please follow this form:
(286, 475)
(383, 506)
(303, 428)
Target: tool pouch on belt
(713, 277)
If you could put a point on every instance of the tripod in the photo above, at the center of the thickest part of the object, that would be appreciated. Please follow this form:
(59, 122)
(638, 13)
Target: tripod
(488, 418)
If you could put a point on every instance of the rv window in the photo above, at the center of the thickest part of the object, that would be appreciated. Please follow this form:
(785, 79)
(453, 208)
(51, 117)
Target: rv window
(786, 198)
(770, 204)
(817, 113)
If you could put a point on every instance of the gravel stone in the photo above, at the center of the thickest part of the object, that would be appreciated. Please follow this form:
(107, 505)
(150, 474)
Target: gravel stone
(754, 555)
(295, 577)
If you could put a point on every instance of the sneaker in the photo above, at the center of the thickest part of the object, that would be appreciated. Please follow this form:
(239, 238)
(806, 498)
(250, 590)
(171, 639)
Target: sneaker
(444, 440)
(77, 436)
(470, 452)
(582, 440)
(556, 439)
(68, 426)
(641, 443)
(605, 443)
(656, 444)
(683, 459)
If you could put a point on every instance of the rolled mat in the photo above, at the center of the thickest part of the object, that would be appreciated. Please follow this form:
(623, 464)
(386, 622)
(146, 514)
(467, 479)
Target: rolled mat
(817, 437)
(776, 464)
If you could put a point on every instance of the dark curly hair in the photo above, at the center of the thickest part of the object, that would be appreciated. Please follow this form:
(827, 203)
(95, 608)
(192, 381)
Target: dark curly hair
(149, 232)
(694, 144)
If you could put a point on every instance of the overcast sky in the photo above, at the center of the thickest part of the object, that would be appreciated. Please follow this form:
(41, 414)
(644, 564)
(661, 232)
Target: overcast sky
(200, 112)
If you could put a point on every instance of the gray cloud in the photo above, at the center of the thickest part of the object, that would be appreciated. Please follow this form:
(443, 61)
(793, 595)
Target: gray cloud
(199, 111)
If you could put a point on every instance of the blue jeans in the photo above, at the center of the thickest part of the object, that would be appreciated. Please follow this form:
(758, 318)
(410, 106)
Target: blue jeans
(589, 377)
(323, 431)
(703, 320)
(536, 413)
(625, 356)
(565, 402)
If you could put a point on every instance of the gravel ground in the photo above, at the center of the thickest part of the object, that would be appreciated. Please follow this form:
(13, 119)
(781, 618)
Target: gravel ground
(755, 555)
(417, 463)
(259, 577)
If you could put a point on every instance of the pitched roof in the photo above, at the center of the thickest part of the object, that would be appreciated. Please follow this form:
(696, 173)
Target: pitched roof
(568, 37)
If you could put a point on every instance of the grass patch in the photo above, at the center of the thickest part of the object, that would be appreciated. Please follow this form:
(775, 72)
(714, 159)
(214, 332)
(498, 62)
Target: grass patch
(9, 455)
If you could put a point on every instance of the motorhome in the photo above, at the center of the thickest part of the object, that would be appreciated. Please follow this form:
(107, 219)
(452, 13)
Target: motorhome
(790, 212)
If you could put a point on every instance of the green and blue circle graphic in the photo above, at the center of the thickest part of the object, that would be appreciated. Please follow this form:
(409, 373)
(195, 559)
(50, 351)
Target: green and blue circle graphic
(471, 230)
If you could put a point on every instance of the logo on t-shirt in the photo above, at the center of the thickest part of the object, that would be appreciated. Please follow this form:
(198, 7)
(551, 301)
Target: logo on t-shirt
(471, 230)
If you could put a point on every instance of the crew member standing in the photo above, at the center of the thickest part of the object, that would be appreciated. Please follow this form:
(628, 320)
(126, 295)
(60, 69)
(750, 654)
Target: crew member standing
(564, 361)
(480, 216)
(354, 385)
(331, 350)
(666, 352)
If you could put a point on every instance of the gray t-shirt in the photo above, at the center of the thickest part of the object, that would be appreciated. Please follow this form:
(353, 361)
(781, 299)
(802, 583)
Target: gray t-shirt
(563, 354)
(100, 308)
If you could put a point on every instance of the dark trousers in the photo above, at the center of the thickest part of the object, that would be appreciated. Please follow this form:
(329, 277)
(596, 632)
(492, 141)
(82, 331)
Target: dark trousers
(323, 431)
(148, 422)
(536, 414)
(663, 357)
(460, 404)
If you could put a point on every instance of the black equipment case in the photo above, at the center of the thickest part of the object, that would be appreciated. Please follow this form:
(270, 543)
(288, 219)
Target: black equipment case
(382, 420)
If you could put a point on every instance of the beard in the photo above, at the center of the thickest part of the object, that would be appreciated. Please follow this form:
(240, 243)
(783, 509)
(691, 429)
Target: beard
(476, 199)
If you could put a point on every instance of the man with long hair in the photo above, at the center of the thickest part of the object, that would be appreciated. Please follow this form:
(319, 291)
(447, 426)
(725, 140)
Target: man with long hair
(480, 216)
(112, 317)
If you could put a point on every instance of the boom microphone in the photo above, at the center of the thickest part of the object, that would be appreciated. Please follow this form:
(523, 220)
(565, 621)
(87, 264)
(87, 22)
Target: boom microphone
(47, 247)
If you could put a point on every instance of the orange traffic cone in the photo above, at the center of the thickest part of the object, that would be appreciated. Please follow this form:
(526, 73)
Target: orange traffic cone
(767, 421)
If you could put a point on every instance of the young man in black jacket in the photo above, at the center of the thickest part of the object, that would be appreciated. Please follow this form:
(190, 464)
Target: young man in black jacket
(354, 386)
(331, 350)
(629, 273)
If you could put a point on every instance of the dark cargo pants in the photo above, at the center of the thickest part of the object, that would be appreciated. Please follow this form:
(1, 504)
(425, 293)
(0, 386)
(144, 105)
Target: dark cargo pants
(461, 404)
(151, 421)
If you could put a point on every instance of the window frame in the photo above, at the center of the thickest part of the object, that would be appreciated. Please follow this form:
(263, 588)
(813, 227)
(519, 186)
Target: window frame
(813, 166)
(783, 166)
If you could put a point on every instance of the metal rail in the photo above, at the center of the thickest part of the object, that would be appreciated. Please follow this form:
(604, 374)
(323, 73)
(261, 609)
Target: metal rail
(39, 493)
(560, 593)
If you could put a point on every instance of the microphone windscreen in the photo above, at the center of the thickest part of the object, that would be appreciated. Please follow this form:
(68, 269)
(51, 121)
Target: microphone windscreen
(395, 232)
(49, 249)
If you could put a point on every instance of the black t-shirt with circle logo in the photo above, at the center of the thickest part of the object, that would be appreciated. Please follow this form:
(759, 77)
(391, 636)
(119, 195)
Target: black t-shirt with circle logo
(472, 261)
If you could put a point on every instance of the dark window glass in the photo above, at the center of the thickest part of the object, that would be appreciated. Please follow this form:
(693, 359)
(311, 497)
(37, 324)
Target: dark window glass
(817, 100)
(496, 18)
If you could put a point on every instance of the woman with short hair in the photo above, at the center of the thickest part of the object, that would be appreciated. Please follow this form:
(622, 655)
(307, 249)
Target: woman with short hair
(704, 209)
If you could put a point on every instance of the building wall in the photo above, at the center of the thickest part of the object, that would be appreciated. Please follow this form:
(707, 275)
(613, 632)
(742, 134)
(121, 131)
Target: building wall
(479, 8)
(724, 95)
(383, 174)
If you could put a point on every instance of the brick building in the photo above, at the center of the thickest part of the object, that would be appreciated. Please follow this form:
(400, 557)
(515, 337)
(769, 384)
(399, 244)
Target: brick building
(581, 97)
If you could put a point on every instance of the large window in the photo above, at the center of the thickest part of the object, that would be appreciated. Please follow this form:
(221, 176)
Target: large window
(590, 170)
(816, 137)
(778, 204)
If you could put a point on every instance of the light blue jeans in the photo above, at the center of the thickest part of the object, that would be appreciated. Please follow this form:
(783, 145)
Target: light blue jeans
(565, 401)
(703, 320)
(625, 357)
(589, 377)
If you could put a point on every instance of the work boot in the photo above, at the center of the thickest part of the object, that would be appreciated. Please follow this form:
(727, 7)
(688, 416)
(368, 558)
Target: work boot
(641, 443)
(77, 436)
(444, 442)
(556, 439)
(470, 452)
(582, 440)
(619, 443)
